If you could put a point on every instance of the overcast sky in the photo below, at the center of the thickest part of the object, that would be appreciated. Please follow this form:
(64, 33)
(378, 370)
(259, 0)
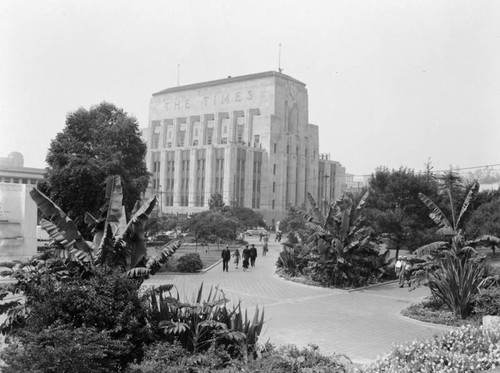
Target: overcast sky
(391, 83)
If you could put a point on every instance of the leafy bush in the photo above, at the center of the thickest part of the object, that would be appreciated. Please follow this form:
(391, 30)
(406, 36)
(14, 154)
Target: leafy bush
(64, 349)
(487, 302)
(172, 358)
(190, 262)
(104, 299)
(469, 349)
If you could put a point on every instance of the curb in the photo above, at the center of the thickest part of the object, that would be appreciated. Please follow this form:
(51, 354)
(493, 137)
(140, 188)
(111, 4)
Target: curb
(372, 286)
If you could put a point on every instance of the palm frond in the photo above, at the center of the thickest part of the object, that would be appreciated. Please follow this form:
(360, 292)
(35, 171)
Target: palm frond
(436, 214)
(466, 210)
(485, 240)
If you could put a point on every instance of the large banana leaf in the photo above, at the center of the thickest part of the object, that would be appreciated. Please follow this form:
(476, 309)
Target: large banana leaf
(69, 251)
(466, 210)
(318, 216)
(362, 201)
(436, 214)
(427, 249)
(65, 226)
(133, 233)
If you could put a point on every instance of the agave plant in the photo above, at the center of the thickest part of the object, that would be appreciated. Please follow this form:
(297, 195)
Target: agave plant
(453, 270)
(200, 323)
(346, 254)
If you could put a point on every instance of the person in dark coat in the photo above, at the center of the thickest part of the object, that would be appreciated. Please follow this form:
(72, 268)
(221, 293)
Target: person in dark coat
(236, 257)
(253, 255)
(246, 257)
(226, 256)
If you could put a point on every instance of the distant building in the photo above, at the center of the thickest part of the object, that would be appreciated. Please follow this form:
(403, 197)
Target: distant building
(18, 212)
(12, 170)
(247, 138)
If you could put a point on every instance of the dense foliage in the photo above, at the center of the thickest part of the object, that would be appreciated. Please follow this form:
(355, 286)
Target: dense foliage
(172, 358)
(394, 210)
(95, 143)
(341, 251)
(190, 263)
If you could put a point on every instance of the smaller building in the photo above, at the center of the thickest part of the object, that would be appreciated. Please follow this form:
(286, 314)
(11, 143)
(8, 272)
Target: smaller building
(18, 211)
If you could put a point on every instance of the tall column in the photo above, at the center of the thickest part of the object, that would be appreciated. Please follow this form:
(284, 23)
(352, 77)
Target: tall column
(228, 193)
(203, 129)
(249, 179)
(192, 178)
(177, 177)
(163, 179)
(189, 131)
(175, 135)
(209, 173)
(231, 131)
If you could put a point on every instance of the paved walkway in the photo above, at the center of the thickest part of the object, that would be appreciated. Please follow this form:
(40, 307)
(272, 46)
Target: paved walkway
(363, 324)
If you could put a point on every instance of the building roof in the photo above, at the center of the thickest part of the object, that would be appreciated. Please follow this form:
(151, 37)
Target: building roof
(229, 79)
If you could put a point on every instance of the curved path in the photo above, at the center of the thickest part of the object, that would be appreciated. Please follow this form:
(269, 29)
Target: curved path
(362, 324)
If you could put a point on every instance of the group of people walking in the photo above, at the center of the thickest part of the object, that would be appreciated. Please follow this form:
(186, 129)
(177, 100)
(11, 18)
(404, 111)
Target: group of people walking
(403, 271)
(249, 256)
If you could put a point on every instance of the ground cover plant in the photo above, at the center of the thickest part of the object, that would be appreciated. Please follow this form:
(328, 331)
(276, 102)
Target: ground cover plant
(469, 349)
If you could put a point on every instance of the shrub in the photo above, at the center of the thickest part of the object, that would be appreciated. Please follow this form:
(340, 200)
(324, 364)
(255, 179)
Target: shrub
(107, 301)
(64, 349)
(172, 358)
(487, 302)
(468, 349)
(190, 263)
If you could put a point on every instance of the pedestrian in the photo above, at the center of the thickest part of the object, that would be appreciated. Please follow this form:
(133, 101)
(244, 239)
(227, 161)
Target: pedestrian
(407, 273)
(246, 257)
(236, 257)
(264, 249)
(260, 235)
(400, 270)
(253, 255)
(226, 256)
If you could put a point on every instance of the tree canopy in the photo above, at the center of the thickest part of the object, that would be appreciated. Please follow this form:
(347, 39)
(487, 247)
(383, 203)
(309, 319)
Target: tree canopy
(95, 143)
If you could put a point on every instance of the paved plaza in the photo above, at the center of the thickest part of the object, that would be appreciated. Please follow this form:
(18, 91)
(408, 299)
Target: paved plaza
(362, 324)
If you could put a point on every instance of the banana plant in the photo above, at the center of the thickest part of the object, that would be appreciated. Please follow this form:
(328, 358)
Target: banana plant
(454, 225)
(345, 253)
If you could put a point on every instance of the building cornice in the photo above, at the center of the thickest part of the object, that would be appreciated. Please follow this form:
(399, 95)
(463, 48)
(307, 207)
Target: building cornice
(217, 82)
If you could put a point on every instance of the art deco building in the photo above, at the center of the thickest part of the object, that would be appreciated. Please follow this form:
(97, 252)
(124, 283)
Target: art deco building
(247, 138)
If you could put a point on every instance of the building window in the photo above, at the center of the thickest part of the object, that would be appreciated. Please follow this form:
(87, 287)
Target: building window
(274, 187)
(274, 169)
(223, 140)
(15, 180)
(288, 149)
(273, 205)
(275, 148)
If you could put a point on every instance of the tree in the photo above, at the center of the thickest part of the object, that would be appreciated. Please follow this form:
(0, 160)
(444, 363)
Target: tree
(212, 226)
(216, 203)
(393, 207)
(95, 143)
(247, 217)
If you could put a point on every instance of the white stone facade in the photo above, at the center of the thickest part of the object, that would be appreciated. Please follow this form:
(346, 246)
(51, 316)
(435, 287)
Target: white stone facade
(247, 138)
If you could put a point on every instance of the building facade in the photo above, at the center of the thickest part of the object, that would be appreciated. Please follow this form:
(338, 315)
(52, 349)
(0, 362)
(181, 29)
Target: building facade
(247, 138)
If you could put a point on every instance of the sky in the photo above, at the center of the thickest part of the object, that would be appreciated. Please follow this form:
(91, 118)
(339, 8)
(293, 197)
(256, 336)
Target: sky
(391, 83)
